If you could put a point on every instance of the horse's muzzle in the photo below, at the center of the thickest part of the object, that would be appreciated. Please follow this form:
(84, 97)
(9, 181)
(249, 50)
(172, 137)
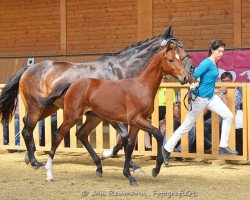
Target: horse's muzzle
(183, 79)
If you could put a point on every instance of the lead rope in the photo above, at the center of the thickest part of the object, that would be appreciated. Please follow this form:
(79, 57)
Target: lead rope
(190, 99)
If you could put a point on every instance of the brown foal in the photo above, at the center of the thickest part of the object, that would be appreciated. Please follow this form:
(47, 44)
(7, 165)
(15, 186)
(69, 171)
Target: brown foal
(129, 100)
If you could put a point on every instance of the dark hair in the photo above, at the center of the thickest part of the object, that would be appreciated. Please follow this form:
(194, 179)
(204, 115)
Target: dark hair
(225, 75)
(215, 44)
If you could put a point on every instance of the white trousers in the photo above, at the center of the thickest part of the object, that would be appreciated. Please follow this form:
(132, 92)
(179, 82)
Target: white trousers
(215, 105)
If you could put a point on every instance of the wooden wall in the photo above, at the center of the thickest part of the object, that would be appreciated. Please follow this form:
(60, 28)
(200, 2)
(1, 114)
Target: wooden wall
(29, 27)
(196, 22)
(35, 27)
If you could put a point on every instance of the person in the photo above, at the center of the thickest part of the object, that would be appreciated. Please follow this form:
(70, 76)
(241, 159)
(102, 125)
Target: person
(177, 123)
(203, 96)
(6, 130)
(53, 130)
(222, 93)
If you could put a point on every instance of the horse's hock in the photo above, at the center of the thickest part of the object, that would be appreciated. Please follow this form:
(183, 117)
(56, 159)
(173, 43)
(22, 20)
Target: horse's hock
(104, 136)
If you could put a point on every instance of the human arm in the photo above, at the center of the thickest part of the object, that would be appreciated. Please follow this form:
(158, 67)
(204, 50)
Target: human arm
(202, 68)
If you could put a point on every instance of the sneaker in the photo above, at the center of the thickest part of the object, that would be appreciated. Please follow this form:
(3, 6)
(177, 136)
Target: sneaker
(165, 155)
(227, 151)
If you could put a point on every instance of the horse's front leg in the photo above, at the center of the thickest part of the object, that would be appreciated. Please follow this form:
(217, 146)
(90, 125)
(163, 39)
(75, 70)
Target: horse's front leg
(92, 120)
(159, 159)
(27, 134)
(144, 125)
(128, 153)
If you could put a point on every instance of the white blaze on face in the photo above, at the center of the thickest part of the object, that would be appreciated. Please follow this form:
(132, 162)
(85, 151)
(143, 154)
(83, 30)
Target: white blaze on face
(177, 56)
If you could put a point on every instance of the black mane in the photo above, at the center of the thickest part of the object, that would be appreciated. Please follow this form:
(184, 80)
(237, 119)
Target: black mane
(137, 46)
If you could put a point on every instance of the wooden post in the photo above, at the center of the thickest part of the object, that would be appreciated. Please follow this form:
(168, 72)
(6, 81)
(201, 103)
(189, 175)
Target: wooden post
(63, 24)
(237, 23)
(144, 16)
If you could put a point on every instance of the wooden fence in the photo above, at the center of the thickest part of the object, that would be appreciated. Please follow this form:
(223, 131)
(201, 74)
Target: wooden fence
(104, 136)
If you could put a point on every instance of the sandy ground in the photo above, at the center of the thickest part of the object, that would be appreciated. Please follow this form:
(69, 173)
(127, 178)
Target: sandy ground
(75, 179)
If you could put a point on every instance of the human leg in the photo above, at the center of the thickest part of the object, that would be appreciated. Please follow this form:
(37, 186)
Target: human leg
(239, 140)
(197, 107)
(218, 106)
(207, 134)
(5, 133)
(191, 140)
(147, 140)
(17, 131)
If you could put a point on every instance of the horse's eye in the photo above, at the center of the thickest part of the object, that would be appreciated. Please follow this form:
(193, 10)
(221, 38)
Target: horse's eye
(171, 61)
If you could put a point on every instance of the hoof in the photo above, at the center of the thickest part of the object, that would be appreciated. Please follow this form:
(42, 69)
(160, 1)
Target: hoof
(139, 171)
(154, 172)
(26, 159)
(38, 165)
(99, 174)
(50, 180)
(133, 184)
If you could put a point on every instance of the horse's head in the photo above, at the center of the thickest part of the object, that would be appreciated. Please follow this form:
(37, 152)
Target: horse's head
(172, 64)
(185, 58)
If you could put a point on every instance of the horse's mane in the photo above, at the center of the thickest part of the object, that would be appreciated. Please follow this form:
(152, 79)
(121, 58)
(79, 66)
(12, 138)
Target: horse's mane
(138, 44)
(131, 47)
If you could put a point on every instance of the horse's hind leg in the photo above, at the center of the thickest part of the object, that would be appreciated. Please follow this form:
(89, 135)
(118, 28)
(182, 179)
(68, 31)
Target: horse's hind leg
(57, 139)
(30, 121)
(27, 132)
(92, 120)
(122, 129)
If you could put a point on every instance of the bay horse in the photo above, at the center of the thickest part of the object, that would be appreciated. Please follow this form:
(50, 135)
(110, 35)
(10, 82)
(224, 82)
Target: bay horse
(130, 101)
(41, 79)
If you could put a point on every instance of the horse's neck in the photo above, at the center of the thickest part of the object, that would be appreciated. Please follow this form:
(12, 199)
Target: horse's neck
(151, 76)
(133, 59)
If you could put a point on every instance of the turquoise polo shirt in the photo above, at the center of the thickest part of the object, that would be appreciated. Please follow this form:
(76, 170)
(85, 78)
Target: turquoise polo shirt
(208, 72)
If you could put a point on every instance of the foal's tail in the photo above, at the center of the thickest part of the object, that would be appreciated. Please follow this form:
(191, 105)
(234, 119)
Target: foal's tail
(58, 92)
(8, 96)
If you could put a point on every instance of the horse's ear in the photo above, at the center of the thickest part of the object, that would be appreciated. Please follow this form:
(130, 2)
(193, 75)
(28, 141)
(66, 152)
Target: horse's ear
(168, 33)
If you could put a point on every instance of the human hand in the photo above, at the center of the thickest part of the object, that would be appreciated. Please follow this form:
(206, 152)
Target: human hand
(192, 86)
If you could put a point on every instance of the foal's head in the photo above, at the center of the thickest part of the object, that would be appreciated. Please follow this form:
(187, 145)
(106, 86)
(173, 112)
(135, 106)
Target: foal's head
(172, 63)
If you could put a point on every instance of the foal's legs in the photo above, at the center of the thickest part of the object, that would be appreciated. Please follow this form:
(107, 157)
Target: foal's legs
(144, 125)
(133, 131)
(122, 129)
(92, 120)
(57, 138)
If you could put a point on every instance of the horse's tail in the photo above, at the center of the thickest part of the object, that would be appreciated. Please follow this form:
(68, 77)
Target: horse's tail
(8, 96)
(58, 92)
